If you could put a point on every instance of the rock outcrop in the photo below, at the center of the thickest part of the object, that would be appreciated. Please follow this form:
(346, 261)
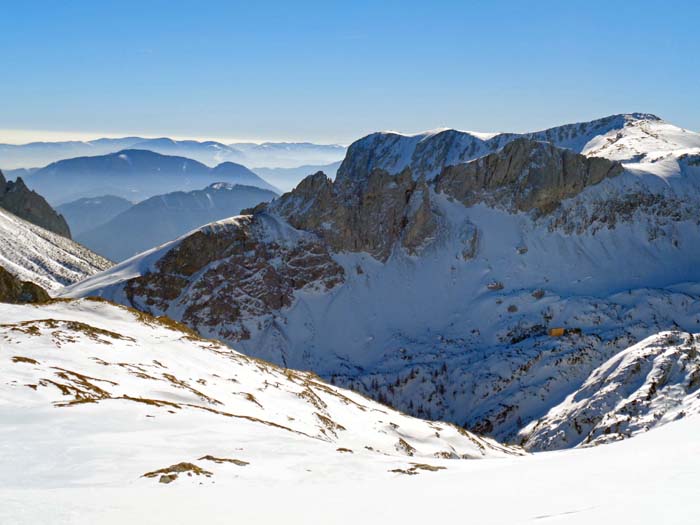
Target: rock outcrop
(15, 291)
(376, 212)
(525, 175)
(26, 204)
(225, 276)
(362, 216)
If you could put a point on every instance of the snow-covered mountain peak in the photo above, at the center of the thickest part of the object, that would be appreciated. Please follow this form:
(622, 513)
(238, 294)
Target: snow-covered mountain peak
(627, 137)
(642, 138)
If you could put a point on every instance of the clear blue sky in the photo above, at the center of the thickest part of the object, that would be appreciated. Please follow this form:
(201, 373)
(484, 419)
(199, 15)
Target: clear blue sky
(333, 71)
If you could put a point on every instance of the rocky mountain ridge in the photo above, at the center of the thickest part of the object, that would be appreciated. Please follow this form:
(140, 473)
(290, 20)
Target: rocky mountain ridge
(430, 272)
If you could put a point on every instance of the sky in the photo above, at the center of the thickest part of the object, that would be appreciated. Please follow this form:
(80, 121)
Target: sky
(333, 71)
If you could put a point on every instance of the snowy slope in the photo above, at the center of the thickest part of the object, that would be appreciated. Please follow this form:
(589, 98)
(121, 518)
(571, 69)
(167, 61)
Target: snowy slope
(119, 394)
(647, 385)
(84, 463)
(47, 259)
(101, 406)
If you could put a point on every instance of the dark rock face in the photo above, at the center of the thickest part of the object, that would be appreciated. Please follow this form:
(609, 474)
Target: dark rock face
(371, 215)
(525, 175)
(228, 275)
(16, 198)
(14, 291)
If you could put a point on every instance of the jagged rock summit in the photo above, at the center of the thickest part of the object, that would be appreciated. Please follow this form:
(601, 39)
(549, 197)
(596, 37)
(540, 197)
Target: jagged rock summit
(476, 279)
(16, 198)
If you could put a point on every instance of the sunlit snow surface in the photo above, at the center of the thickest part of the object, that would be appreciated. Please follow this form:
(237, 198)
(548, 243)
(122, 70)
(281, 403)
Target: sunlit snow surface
(99, 396)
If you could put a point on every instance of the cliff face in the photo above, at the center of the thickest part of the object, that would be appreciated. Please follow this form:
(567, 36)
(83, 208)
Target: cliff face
(376, 212)
(228, 278)
(26, 204)
(369, 217)
(525, 175)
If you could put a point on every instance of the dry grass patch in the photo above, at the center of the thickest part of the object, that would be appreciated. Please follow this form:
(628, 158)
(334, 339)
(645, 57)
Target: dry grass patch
(28, 360)
(403, 446)
(92, 332)
(151, 402)
(425, 466)
(238, 462)
(171, 473)
(416, 467)
(179, 383)
(330, 425)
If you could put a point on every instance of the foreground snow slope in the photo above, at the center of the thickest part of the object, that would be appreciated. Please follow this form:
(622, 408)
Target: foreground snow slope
(34, 254)
(650, 479)
(93, 394)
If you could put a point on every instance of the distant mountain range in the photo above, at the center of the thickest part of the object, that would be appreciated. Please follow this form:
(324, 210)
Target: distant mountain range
(160, 218)
(134, 175)
(90, 212)
(269, 154)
